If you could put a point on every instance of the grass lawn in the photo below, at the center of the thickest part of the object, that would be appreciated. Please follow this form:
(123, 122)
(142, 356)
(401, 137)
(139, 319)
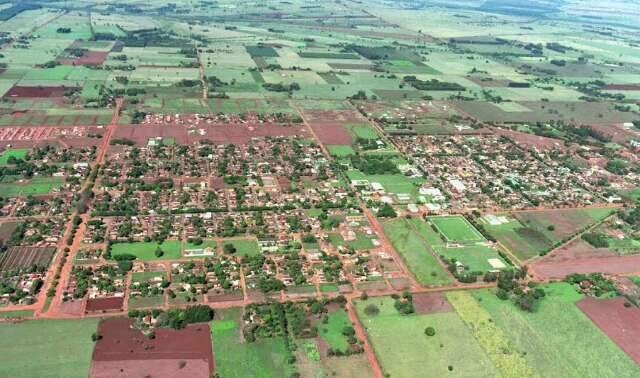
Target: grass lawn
(155, 301)
(35, 186)
(422, 263)
(146, 250)
(234, 358)
(16, 314)
(404, 350)
(244, 246)
(146, 276)
(361, 241)
(47, 348)
(206, 243)
(332, 331)
(339, 150)
(18, 153)
(558, 339)
(456, 229)
(392, 183)
(328, 288)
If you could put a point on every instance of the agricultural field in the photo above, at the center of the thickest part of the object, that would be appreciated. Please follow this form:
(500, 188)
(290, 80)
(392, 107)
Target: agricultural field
(63, 347)
(299, 177)
(402, 347)
(528, 234)
(541, 336)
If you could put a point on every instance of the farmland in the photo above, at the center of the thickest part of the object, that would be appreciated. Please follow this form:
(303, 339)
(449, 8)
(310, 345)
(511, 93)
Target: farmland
(319, 189)
(63, 346)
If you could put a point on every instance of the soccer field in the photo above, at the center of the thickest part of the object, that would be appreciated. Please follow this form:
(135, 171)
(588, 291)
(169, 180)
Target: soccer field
(456, 229)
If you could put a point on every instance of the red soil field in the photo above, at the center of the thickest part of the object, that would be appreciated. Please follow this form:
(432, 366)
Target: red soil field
(530, 140)
(431, 303)
(24, 257)
(104, 304)
(89, 57)
(609, 265)
(621, 324)
(38, 92)
(216, 133)
(329, 126)
(622, 87)
(124, 351)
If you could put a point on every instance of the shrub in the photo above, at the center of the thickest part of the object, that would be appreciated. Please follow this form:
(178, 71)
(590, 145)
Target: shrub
(371, 310)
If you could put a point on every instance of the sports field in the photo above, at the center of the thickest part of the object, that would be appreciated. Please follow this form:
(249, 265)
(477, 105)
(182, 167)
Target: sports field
(475, 256)
(456, 229)
(415, 252)
(147, 250)
(403, 349)
(263, 358)
(47, 348)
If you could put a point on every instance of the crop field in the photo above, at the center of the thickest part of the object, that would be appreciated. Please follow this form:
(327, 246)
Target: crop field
(63, 347)
(26, 257)
(402, 347)
(542, 336)
(147, 250)
(416, 253)
(528, 234)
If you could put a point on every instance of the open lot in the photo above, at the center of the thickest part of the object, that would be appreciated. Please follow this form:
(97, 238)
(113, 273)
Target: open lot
(147, 250)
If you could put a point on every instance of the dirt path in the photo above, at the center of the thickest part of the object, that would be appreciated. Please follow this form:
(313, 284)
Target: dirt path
(361, 334)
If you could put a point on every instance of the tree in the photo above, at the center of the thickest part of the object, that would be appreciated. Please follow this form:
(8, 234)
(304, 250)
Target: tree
(229, 248)
(386, 211)
(159, 252)
(430, 331)
(371, 310)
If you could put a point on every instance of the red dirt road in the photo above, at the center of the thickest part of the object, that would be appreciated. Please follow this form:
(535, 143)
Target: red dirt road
(621, 324)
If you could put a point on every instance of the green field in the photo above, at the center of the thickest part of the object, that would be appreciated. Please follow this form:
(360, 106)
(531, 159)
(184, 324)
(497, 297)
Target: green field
(338, 150)
(34, 186)
(47, 348)
(17, 314)
(332, 331)
(403, 349)
(558, 339)
(416, 254)
(18, 153)
(234, 358)
(146, 250)
(244, 246)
